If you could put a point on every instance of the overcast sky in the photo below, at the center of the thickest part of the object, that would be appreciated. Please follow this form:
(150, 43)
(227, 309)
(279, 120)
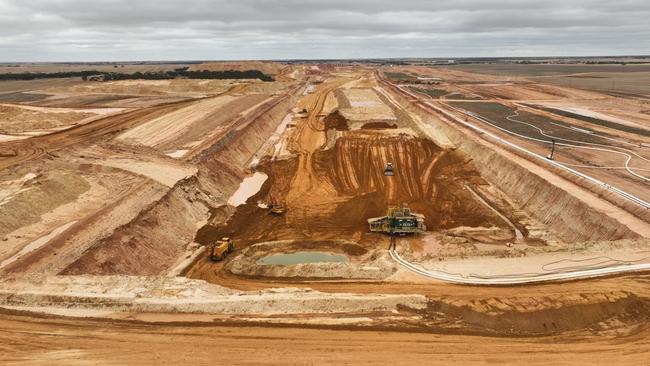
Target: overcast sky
(96, 30)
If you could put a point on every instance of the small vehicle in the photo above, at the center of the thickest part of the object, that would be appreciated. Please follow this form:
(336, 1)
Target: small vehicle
(277, 209)
(389, 171)
(221, 248)
(275, 206)
(398, 221)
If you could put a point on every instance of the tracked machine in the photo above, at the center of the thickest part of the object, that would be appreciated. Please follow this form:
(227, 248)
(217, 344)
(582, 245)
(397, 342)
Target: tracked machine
(398, 220)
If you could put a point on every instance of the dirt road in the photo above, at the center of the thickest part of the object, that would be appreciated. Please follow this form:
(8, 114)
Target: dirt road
(309, 138)
(31, 341)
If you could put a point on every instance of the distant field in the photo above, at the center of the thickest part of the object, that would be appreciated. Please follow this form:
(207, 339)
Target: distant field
(611, 79)
(433, 93)
(598, 121)
(617, 84)
(498, 114)
(74, 67)
(14, 86)
(398, 75)
(547, 70)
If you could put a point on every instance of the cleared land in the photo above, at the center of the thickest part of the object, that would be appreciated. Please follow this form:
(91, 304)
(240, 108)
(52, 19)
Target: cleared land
(611, 79)
(26, 339)
(112, 217)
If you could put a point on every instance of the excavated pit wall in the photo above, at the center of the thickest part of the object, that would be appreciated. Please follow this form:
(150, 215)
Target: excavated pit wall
(154, 240)
(221, 172)
(570, 218)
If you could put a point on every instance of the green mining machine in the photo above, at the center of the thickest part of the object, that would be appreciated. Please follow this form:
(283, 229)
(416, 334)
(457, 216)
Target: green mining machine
(399, 220)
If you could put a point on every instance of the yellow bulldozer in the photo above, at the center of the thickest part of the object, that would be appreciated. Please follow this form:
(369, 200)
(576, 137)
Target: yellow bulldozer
(221, 249)
(275, 206)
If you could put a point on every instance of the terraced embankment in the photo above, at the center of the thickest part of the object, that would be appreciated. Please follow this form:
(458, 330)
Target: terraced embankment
(152, 242)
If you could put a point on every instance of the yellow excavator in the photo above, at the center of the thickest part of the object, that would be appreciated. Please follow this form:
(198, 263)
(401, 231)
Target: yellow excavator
(221, 248)
(276, 207)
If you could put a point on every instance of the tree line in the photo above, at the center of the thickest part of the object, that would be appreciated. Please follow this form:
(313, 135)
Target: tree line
(157, 75)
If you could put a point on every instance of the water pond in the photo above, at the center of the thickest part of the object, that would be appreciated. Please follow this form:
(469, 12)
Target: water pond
(302, 257)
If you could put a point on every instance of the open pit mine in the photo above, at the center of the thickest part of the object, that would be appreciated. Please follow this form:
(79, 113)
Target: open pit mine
(361, 209)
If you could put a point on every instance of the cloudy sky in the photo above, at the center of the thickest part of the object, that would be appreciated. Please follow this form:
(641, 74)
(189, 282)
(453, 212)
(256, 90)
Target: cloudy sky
(95, 30)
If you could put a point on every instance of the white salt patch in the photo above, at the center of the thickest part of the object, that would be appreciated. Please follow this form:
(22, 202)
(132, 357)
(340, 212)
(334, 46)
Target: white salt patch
(275, 139)
(365, 103)
(4, 138)
(309, 89)
(29, 176)
(15, 187)
(254, 162)
(277, 148)
(247, 188)
(177, 153)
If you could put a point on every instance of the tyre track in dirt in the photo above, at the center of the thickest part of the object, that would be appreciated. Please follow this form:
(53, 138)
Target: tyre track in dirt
(28, 340)
(309, 138)
(20, 151)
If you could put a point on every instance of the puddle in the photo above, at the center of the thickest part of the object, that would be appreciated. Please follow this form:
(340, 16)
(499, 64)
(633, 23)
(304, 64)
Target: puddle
(247, 188)
(302, 257)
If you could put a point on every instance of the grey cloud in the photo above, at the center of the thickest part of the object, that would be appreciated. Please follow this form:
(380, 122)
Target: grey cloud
(39, 30)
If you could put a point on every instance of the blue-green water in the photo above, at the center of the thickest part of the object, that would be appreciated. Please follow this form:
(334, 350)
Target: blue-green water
(302, 257)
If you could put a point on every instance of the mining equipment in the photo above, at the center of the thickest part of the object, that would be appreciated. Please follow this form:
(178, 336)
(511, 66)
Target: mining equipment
(550, 156)
(221, 248)
(399, 220)
(389, 171)
(276, 207)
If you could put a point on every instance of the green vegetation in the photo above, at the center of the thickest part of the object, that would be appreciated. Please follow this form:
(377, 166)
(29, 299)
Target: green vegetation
(433, 93)
(159, 75)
